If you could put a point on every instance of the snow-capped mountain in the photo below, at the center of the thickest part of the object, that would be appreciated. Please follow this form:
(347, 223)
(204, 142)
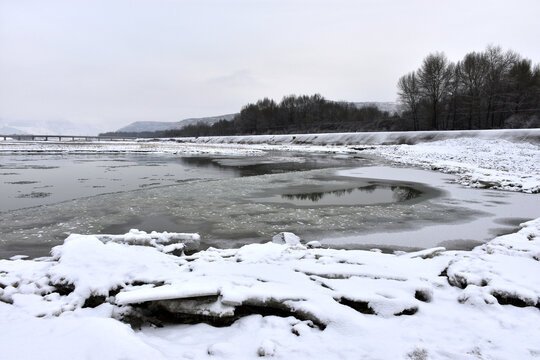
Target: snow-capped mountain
(141, 126)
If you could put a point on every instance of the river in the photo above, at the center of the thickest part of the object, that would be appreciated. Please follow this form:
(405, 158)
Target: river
(235, 200)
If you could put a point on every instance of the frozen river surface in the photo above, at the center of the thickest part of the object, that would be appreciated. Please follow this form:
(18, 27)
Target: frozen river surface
(342, 201)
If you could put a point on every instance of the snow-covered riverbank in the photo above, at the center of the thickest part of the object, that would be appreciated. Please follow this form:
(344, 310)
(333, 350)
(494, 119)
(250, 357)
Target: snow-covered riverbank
(293, 300)
(498, 164)
(500, 159)
(372, 138)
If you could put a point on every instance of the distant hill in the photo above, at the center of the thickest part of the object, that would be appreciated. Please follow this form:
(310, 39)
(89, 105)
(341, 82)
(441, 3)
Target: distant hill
(149, 126)
(388, 106)
(8, 130)
(46, 127)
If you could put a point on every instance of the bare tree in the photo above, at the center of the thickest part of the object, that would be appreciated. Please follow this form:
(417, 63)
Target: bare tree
(482, 90)
(434, 77)
(454, 96)
(498, 64)
(473, 76)
(409, 95)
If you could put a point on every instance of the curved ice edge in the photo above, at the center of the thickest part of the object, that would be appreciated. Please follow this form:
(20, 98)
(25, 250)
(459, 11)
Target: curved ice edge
(164, 241)
(132, 274)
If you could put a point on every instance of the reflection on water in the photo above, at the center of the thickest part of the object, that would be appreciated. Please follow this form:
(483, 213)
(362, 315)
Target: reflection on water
(381, 193)
(274, 164)
(362, 195)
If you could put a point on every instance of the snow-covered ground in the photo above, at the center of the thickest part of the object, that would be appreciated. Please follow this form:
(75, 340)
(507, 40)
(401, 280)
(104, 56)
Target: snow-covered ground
(289, 301)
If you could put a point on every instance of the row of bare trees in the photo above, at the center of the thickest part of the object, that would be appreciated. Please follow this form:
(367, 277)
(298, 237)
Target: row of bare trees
(293, 114)
(489, 89)
(296, 114)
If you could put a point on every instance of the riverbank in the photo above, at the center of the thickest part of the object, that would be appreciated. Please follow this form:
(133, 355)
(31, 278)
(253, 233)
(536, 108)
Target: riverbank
(499, 159)
(295, 300)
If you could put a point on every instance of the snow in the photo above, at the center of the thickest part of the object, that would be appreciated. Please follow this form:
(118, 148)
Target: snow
(332, 303)
(368, 138)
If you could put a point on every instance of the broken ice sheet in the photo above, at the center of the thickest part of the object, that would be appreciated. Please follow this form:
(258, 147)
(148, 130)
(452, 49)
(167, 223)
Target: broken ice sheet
(292, 300)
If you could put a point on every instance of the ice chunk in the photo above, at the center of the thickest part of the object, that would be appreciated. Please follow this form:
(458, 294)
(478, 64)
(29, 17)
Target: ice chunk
(165, 242)
(167, 292)
(286, 238)
(313, 244)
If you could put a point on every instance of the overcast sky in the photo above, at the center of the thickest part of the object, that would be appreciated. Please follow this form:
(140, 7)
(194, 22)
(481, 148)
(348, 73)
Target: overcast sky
(112, 62)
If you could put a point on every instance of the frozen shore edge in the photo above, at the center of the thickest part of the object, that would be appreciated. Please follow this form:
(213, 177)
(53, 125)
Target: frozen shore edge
(370, 138)
(326, 295)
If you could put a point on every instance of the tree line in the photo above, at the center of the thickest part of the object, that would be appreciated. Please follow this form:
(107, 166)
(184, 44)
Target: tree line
(484, 90)
(293, 114)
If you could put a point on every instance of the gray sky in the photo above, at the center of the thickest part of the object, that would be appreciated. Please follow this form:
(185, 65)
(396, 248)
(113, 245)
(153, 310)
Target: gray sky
(112, 62)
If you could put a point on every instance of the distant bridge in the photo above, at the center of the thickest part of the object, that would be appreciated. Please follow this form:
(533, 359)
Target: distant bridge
(27, 137)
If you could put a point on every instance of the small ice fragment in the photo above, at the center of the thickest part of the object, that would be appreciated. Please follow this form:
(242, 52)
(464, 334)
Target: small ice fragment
(286, 238)
(313, 244)
(426, 254)
(18, 257)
